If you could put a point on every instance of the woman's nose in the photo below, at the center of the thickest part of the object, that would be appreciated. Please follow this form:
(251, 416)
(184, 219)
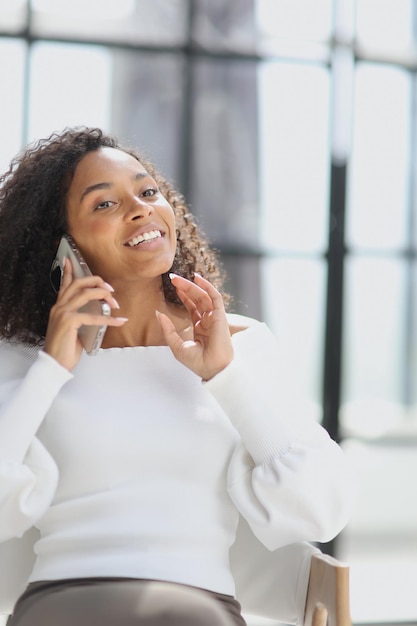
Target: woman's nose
(138, 209)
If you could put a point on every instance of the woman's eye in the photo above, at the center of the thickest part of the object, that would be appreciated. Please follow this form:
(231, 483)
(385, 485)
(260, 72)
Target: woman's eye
(104, 205)
(148, 193)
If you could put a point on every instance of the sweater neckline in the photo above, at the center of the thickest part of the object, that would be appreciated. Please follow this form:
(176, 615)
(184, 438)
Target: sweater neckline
(120, 348)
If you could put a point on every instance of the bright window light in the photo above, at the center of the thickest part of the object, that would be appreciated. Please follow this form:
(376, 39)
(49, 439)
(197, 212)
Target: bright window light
(378, 194)
(70, 86)
(299, 19)
(290, 287)
(373, 339)
(385, 25)
(12, 60)
(103, 9)
(294, 155)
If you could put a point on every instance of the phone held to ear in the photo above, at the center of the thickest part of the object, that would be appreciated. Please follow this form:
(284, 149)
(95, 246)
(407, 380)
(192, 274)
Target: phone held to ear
(91, 337)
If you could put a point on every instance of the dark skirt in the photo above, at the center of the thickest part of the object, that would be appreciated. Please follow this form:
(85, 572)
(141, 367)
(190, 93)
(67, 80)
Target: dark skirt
(122, 602)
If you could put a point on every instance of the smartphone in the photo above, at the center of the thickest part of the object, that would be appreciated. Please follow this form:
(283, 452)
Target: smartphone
(91, 337)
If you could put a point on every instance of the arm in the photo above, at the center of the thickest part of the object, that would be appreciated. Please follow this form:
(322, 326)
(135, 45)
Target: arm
(287, 477)
(28, 474)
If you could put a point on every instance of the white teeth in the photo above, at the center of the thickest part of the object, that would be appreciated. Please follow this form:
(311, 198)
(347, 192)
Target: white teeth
(152, 234)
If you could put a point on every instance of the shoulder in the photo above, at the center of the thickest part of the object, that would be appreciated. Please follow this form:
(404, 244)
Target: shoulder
(252, 337)
(237, 323)
(17, 356)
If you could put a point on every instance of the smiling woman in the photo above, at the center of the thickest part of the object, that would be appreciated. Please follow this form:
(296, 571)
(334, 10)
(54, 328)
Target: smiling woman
(136, 464)
(34, 217)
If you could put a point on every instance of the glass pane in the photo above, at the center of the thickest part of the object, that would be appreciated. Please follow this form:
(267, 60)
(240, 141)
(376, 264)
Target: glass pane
(132, 21)
(385, 25)
(294, 156)
(380, 542)
(293, 293)
(77, 81)
(224, 25)
(378, 185)
(412, 374)
(224, 165)
(147, 106)
(12, 67)
(243, 284)
(263, 26)
(413, 168)
(13, 15)
(104, 87)
(374, 345)
(294, 27)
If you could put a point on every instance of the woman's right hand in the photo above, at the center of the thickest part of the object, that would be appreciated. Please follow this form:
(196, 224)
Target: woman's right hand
(62, 341)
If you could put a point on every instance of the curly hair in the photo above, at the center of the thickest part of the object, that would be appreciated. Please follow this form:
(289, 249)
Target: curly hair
(33, 218)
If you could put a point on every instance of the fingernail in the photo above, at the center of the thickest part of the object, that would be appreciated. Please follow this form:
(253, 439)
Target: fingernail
(171, 275)
(122, 319)
(116, 304)
(157, 313)
(109, 287)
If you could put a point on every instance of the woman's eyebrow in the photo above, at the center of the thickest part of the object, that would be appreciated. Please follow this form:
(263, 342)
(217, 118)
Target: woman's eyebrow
(94, 188)
(97, 186)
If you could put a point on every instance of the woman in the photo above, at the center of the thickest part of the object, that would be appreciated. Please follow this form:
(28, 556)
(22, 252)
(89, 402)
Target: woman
(135, 464)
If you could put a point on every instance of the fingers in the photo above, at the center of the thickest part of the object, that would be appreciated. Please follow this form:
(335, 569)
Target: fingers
(171, 336)
(79, 297)
(76, 293)
(199, 297)
(210, 350)
(190, 306)
(166, 324)
(78, 302)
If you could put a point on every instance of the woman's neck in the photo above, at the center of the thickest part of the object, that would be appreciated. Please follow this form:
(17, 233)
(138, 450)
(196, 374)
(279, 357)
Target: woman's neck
(142, 327)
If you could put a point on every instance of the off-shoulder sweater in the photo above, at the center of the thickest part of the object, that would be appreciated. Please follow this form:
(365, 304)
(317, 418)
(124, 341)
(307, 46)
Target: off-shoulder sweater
(131, 466)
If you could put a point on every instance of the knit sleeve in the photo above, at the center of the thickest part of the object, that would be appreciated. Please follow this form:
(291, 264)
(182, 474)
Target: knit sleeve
(28, 473)
(287, 477)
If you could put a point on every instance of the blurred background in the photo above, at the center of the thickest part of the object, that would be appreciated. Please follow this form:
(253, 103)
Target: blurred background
(290, 126)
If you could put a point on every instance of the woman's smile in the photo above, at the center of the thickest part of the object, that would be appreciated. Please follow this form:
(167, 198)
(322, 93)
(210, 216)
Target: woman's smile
(144, 237)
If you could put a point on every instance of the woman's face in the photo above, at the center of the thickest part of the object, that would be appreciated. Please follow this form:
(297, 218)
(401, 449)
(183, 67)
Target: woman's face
(122, 224)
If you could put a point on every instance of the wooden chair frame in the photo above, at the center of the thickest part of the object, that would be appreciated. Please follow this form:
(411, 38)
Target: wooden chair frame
(328, 594)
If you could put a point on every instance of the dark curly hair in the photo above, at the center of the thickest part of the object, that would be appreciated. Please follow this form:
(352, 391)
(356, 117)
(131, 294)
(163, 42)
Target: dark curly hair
(33, 218)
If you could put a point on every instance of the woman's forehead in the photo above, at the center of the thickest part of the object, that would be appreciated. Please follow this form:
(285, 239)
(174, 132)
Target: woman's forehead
(103, 168)
(108, 159)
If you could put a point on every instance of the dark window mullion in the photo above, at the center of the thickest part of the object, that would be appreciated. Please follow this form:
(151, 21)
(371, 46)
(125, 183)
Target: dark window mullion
(343, 68)
(334, 301)
(409, 323)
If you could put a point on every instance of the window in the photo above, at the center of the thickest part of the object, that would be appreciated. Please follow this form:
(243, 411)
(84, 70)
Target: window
(290, 126)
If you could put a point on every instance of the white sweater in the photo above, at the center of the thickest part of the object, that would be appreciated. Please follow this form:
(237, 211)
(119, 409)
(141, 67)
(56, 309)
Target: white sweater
(131, 466)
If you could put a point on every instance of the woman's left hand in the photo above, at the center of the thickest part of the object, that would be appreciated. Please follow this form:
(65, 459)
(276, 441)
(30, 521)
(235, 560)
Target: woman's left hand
(211, 349)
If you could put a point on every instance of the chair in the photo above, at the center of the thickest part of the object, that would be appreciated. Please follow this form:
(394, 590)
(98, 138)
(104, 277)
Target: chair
(328, 596)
